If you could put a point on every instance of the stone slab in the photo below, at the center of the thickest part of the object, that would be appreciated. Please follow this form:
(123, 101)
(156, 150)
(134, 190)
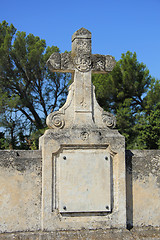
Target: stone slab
(84, 181)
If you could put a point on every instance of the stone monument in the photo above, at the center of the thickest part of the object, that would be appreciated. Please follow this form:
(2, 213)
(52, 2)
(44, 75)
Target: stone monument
(83, 166)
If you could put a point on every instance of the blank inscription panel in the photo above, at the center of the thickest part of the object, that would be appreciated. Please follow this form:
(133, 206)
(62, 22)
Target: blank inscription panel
(83, 180)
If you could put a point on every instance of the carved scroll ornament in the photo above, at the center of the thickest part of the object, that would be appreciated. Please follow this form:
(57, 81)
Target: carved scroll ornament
(55, 120)
(109, 119)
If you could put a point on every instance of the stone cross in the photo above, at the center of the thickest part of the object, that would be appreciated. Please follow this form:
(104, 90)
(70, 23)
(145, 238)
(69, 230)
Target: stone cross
(83, 166)
(81, 63)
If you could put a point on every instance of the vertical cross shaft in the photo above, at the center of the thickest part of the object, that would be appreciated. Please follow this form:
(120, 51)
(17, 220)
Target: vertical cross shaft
(81, 54)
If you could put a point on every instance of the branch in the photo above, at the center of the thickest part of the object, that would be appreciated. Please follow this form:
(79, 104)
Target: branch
(26, 114)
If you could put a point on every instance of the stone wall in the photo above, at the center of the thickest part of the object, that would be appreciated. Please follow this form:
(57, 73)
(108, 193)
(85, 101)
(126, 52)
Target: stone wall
(143, 187)
(20, 189)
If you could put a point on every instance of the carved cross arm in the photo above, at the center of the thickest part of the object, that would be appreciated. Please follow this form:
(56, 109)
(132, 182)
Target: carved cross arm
(64, 62)
(60, 62)
(102, 63)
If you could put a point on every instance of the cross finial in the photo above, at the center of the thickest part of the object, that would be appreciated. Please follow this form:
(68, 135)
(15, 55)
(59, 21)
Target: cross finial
(81, 45)
(82, 33)
(82, 63)
(81, 50)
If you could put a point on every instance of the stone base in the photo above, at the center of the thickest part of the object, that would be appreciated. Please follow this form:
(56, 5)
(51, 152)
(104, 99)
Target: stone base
(83, 179)
(112, 234)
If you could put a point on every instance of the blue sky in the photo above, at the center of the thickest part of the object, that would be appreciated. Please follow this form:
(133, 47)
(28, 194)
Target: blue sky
(116, 25)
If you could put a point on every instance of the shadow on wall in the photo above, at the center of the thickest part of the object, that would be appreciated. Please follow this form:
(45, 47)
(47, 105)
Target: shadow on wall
(129, 190)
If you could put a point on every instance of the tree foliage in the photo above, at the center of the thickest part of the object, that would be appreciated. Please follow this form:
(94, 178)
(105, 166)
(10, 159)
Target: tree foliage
(133, 95)
(29, 91)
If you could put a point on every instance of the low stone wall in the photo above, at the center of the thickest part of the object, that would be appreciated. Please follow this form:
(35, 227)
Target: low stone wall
(143, 187)
(21, 181)
(20, 190)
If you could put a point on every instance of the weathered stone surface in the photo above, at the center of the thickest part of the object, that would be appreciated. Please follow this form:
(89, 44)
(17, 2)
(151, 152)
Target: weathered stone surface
(83, 193)
(99, 234)
(81, 103)
(89, 178)
(81, 33)
(20, 190)
(55, 61)
(146, 233)
(78, 140)
(20, 160)
(66, 62)
(102, 63)
(143, 187)
(80, 57)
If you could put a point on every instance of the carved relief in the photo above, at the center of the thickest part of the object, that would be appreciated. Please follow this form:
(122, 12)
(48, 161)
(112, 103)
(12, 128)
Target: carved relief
(80, 62)
(102, 63)
(83, 46)
(84, 136)
(109, 119)
(109, 63)
(66, 61)
(98, 62)
(83, 62)
(55, 120)
(54, 62)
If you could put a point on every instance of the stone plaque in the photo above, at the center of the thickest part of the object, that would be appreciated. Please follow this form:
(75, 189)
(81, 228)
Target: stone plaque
(84, 180)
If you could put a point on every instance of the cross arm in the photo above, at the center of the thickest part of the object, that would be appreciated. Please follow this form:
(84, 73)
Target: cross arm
(64, 62)
(60, 62)
(102, 63)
